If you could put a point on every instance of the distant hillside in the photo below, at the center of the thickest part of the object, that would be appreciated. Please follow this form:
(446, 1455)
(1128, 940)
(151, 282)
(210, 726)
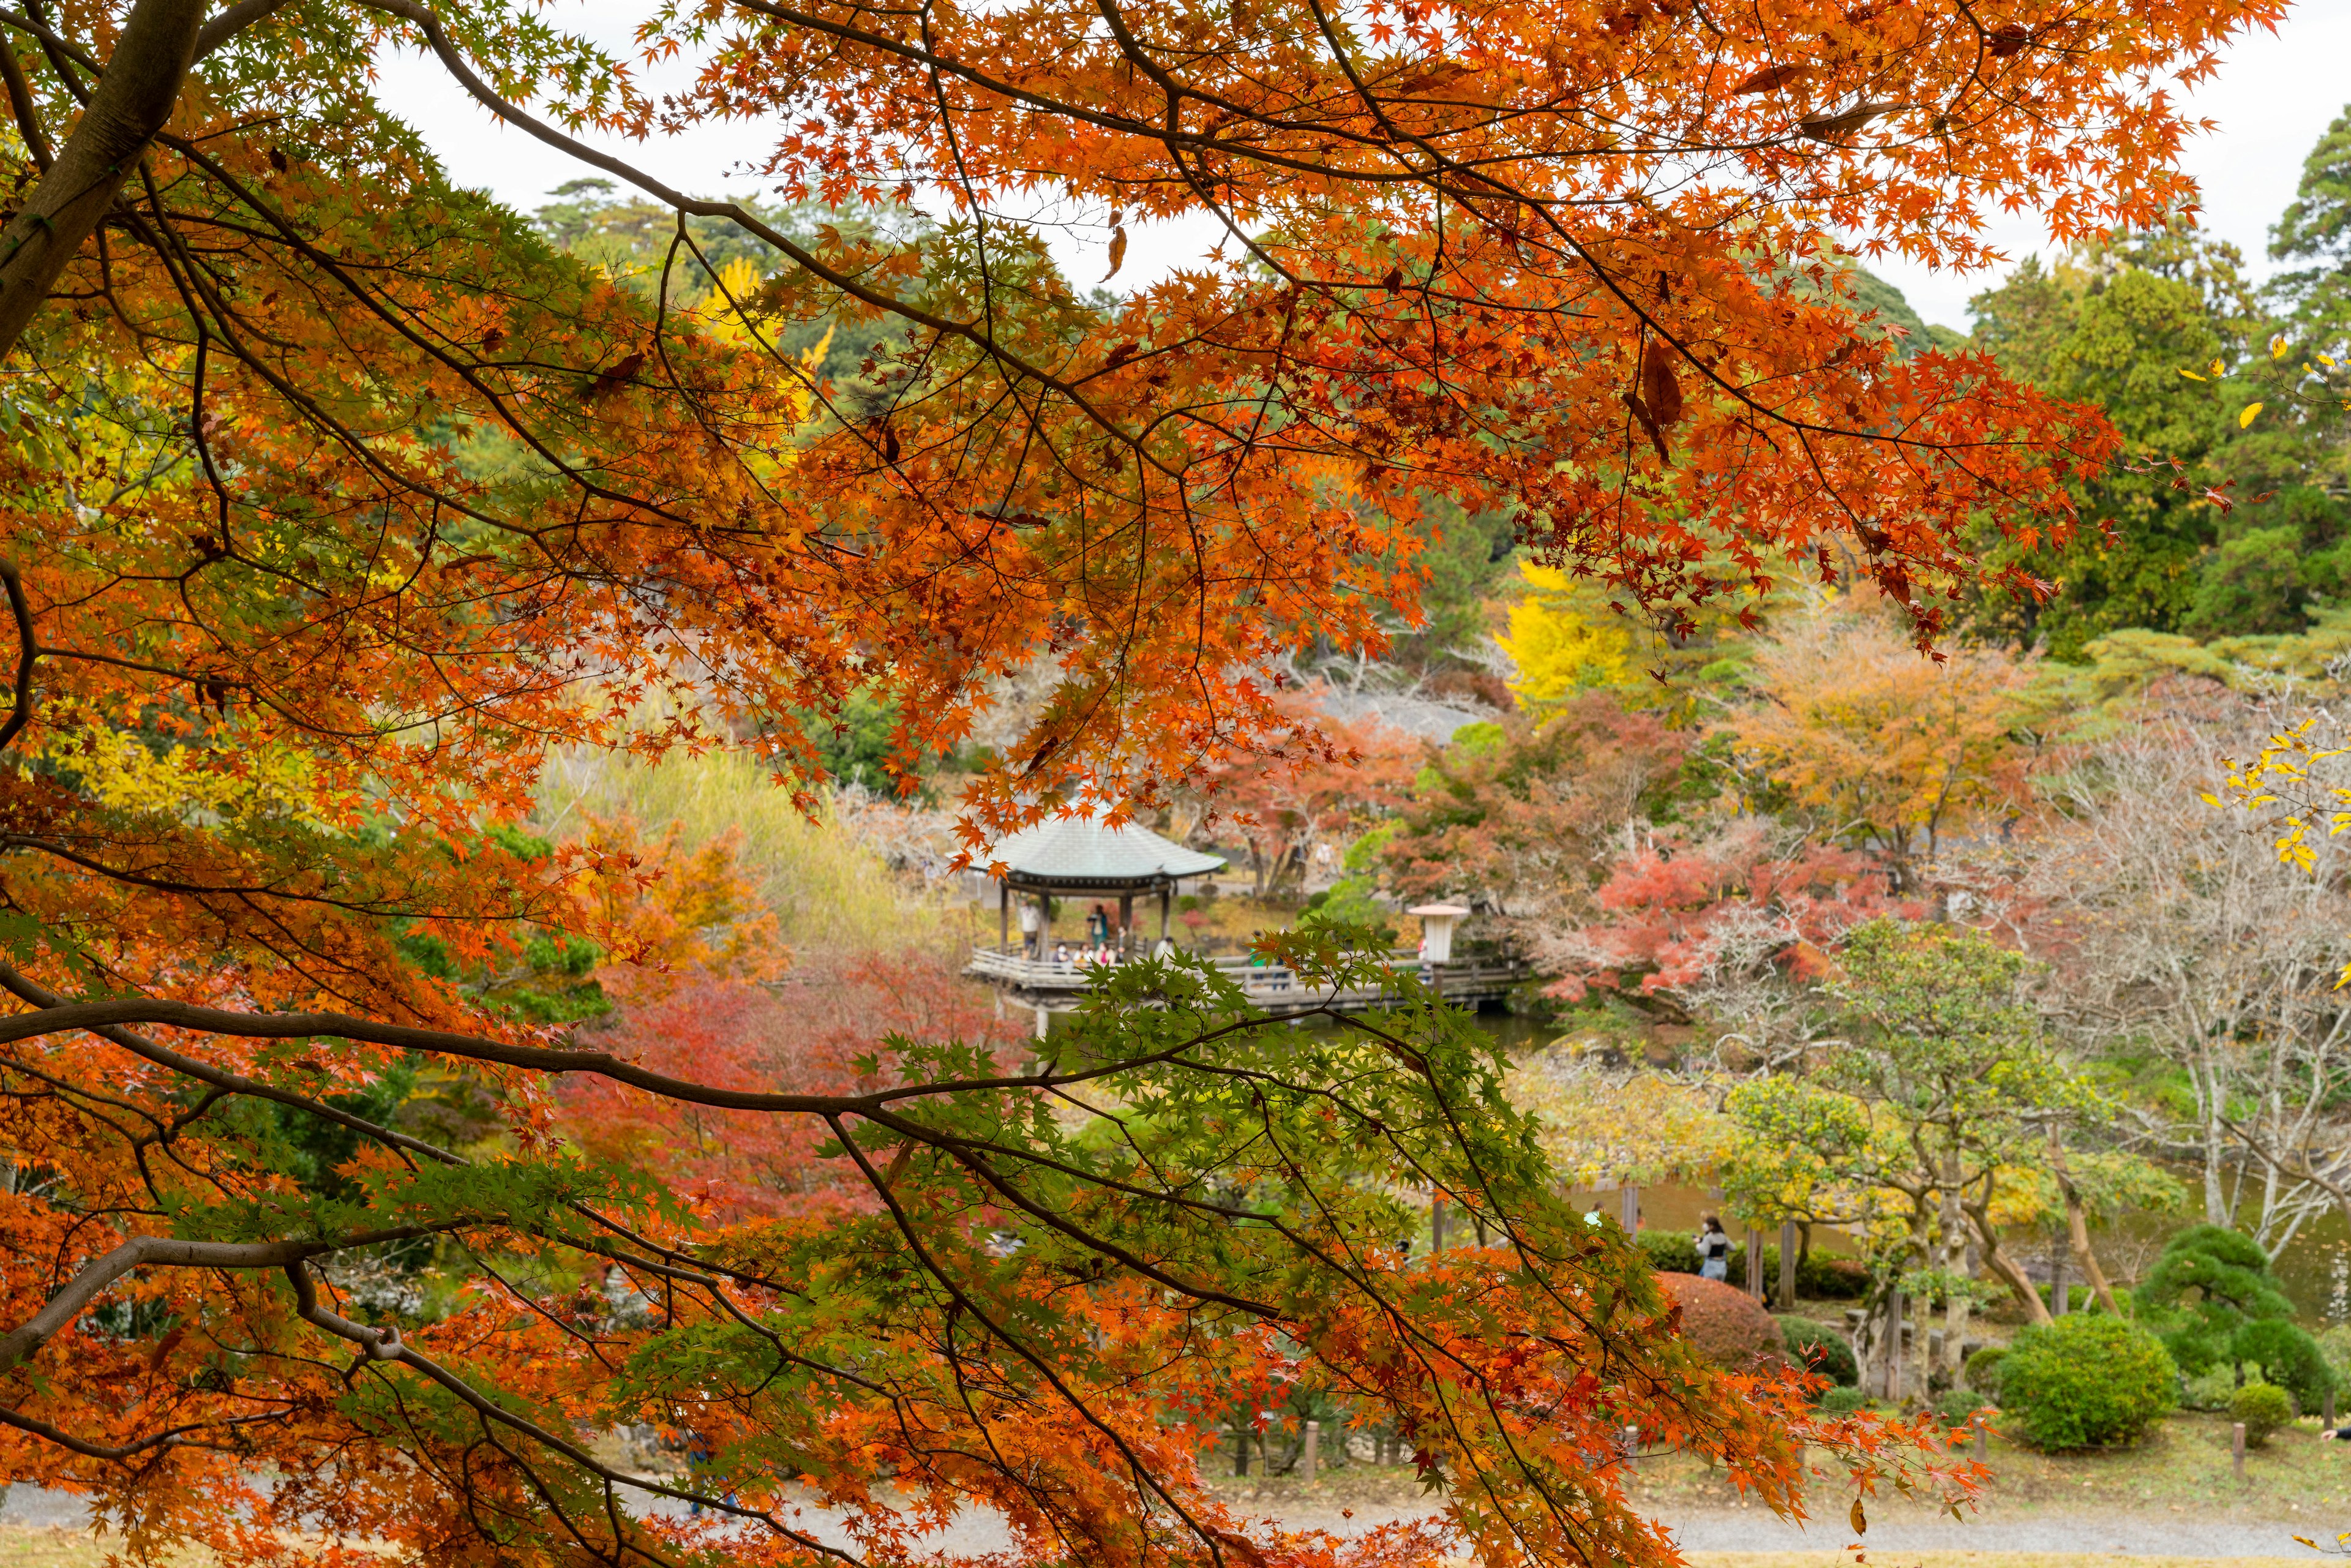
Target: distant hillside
(1873, 293)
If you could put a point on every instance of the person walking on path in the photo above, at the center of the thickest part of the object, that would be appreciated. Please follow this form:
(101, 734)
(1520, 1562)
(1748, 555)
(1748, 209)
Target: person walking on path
(1714, 1249)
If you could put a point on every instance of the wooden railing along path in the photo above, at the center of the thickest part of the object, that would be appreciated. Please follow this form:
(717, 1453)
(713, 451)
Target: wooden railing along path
(1054, 986)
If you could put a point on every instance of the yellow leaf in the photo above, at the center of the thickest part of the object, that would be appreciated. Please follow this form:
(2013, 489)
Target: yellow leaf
(2253, 412)
(2192, 375)
(2219, 367)
(1860, 1521)
(2278, 347)
(2327, 362)
(2210, 800)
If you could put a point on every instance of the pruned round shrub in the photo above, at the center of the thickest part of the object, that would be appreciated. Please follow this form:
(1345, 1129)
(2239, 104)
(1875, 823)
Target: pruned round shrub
(1842, 1401)
(2086, 1383)
(1981, 1373)
(1821, 1348)
(1722, 1324)
(2263, 1407)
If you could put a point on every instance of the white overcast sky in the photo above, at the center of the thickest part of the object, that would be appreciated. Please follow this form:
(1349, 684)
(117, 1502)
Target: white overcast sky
(2273, 97)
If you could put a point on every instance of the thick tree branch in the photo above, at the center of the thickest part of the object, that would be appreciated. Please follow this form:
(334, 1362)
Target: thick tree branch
(233, 20)
(131, 103)
(94, 1017)
(168, 1252)
(28, 650)
(188, 1066)
(27, 112)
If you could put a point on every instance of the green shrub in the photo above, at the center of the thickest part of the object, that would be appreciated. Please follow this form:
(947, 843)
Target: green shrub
(1844, 1401)
(2208, 1390)
(2263, 1407)
(1348, 902)
(2335, 1344)
(1954, 1406)
(1668, 1252)
(2287, 1357)
(1819, 1277)
(1981, 1374)
(2085, 1382)
(1821, 1348)
(1832, 1278)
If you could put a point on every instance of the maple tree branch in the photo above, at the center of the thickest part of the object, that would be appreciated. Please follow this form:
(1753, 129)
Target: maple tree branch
(91, 1015)
(233, 20)
(1004, 1336)
(74, 1298)
(424, 18)
(385, 1344)
(133, 98)
(188, 1066)
(27, 649)
(237, 1083)
(27, 112)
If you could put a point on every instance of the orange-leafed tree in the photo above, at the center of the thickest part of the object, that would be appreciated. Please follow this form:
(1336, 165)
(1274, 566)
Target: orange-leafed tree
(332, 502)
(1880, 748)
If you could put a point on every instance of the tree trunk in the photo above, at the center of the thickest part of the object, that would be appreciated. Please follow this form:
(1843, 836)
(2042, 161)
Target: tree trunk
(131, 103)
(2000, 1263)
(2216, 1206)
(2078, 1224)
(1869, 1342)
(1955, 1238)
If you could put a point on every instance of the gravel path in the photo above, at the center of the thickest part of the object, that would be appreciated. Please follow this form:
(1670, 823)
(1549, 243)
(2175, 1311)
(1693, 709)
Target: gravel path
(1705, 1530)
(2135, 1535)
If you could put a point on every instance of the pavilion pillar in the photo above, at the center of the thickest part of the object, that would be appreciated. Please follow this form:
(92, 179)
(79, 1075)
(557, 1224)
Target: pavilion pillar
(1125, 920)
(1167, 906)
(1004, 917)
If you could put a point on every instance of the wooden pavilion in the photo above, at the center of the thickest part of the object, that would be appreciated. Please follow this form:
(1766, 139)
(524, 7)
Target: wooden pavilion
(1083, 857)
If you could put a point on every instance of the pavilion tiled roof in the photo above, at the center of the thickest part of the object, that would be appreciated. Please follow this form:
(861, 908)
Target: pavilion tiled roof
(1085, 852)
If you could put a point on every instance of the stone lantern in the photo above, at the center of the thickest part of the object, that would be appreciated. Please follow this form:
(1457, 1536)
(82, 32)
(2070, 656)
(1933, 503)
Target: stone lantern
(1436, 924)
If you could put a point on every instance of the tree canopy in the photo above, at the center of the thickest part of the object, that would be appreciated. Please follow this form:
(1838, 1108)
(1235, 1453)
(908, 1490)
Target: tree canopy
(338, 499)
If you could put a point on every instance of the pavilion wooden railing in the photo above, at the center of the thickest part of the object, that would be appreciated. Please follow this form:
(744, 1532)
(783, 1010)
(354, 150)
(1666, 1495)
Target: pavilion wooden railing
(1262, 983)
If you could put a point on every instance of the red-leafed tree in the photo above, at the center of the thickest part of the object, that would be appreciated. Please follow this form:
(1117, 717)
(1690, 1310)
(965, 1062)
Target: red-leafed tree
(1729, 925)
(825, 1028)
(1320, 785)
(1523, 819)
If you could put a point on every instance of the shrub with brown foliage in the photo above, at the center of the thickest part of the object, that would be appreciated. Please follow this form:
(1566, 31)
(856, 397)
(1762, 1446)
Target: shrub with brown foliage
(1726, 1326)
